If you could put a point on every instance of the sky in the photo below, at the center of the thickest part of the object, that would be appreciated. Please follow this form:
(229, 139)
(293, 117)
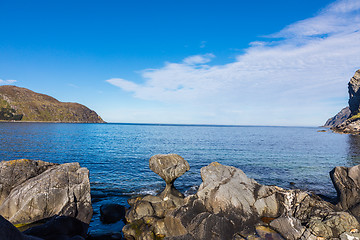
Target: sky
(278, 62)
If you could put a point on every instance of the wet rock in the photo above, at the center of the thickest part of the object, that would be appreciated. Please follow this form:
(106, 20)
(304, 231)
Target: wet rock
(111, 213)
(169, 167)
(59, 190)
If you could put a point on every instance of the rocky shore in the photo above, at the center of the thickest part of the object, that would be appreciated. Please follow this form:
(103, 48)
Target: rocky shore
(228, 205)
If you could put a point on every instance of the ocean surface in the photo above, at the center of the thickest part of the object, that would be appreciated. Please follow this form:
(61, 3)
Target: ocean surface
(117, 155)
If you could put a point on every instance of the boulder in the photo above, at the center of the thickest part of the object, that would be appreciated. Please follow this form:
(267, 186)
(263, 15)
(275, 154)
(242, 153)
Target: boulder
(289, 227)
(169, 167)
(15, 172)
(347, 184)
(62, 190)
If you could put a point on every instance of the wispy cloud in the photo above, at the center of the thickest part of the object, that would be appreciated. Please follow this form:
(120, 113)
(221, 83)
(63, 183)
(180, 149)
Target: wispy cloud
(292, 77)
(5, 82)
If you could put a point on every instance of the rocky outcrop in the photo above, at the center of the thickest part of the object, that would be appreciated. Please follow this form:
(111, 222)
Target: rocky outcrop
(352, 124)
(21, 104)
(229, 205)
(347, 184)
(169, 167)
(339, 118)
(34, 190)
(354, 93)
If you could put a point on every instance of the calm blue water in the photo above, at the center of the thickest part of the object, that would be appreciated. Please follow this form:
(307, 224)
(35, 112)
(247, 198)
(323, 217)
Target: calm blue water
(117, 154)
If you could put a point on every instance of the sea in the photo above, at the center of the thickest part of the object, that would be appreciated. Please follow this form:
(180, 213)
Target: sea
(117, 155)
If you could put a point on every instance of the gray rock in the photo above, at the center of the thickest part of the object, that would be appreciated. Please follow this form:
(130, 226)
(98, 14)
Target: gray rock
(228, 189)
(352, 124)
(347, 184)
(333, 225)
(354, 93)
(62, 190)
(169, 167)
(15, 172)
(288, 227)
(211, 226)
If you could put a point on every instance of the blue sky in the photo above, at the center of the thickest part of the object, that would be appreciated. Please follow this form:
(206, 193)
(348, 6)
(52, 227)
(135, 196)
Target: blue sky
(203, 62)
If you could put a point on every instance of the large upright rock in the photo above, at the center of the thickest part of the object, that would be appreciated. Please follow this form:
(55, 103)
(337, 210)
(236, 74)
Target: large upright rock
(169, 167)
(354, 93)
(347, 184)
(15, 172)
(62, 190)
(352, 124)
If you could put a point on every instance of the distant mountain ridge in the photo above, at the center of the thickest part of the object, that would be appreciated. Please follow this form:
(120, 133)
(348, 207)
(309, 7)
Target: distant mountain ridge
(21, 104)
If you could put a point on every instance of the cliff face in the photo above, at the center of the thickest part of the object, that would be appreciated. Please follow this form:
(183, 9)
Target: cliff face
(354, 93)
(22, 104)
(352, 123)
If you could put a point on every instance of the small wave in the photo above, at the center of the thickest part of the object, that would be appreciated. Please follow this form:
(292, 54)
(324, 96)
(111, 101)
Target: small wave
(146, 192)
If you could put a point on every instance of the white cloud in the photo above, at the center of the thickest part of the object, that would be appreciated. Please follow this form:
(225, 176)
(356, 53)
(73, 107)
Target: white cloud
(198, 59)
(5, 82)
(293, 80)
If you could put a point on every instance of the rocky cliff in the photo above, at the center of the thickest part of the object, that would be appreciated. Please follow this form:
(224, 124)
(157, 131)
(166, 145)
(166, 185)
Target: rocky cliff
(339, 118)
(21, 104)
(352, 123)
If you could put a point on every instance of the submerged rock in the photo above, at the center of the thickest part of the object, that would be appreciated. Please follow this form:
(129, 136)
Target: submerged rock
(230, 205)
(111, 213)
(44, 190)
